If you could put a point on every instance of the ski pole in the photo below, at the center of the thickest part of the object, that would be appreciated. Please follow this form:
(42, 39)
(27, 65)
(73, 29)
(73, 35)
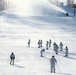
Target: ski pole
(58, 68)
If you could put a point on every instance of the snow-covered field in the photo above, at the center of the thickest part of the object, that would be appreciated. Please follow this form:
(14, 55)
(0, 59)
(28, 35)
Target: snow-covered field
(46, 22)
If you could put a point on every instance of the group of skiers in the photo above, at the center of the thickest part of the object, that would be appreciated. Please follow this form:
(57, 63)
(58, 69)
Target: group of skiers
(53, 60)
(48, 44)
(56, 47)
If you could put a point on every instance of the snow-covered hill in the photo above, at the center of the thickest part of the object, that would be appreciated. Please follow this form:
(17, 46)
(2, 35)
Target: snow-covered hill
(35, 7)
(44, 22)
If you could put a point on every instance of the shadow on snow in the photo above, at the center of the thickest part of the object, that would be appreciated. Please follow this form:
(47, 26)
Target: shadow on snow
(19, 66)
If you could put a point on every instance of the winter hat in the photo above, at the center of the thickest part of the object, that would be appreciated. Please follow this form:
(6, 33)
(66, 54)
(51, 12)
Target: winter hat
(53, 56)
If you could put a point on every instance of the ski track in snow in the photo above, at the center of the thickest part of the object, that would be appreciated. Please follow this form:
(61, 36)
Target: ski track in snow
(15, 30)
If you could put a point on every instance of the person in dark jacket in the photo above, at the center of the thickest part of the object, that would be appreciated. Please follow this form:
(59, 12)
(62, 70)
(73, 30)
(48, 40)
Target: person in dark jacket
(39, 44)
(12, 57)
(47, 45)
(52, 62)
(42, 52)
(29, 43)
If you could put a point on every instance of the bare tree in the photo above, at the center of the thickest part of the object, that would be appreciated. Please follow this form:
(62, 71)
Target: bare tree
(74, 8)
(70, 2)
(56, 2)
(2, 5)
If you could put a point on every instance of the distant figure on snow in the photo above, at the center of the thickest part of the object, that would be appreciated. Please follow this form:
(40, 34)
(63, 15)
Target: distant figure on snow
(39, 44)
(61, 46)
(42, 52)
(66, 52)
(29, 43)
(53, 61)
(12, 57)
(55, 48)
(47, 44)
(50, 43)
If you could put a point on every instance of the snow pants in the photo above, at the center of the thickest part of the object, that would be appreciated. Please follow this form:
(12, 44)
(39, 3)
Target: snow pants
(53, 67)
(12, 62)
(61, 49)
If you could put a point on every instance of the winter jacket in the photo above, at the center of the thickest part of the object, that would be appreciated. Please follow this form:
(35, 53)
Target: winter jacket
(12, 56)
(53, 61)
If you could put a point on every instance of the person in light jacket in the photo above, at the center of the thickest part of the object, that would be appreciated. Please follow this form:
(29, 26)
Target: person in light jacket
(61, 46)
(53, 61)
(47, 45)
(66, 52)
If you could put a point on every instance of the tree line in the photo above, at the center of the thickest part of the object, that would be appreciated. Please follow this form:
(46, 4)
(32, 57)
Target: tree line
(2, 5)
(5, 4)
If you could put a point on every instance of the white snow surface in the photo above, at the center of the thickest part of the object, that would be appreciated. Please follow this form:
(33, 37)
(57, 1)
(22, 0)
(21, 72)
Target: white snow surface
(45, 22)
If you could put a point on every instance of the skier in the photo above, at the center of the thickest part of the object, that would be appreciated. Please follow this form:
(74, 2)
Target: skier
(50, 43)
(47, 45)
(56, 49)
(54, 45)
(61, 46)
(42, 52)
(29, 43)
(66, 53)
(52, 62)
(12, 57)
(39, 44)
